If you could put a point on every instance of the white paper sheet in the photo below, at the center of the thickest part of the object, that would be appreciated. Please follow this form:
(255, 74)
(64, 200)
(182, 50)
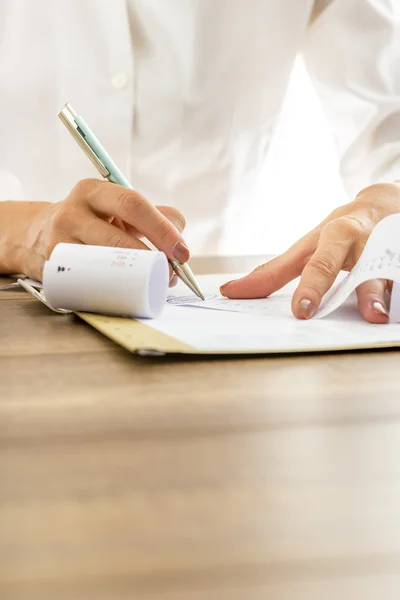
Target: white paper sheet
(274, 305)
(395, 304)
(107, 280)
(273, 330)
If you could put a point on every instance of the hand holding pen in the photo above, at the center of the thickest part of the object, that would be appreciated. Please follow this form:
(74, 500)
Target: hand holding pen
(95, 212)
(130, 212)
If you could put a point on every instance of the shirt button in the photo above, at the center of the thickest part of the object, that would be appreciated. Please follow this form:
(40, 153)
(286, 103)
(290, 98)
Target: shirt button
(119, 81)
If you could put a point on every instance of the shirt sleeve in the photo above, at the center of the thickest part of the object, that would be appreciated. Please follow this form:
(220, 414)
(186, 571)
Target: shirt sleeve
(352, 53)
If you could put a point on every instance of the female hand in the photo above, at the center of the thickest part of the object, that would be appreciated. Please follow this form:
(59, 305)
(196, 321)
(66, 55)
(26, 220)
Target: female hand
(336, 244)
(95, 212)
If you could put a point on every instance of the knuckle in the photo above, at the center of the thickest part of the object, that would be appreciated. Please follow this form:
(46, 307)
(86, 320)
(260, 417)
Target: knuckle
(378, 200)
(262, 267)
(130, 203)
(353, 226)
(364, 192)
(116, 240)
(379, 197)
(347, 228)
(392, 189)
(377, 190)
(164, 229)
(269, 276)
(182, 219)
(176, 215)
(271, 280)
(324, 264)
(84, 188)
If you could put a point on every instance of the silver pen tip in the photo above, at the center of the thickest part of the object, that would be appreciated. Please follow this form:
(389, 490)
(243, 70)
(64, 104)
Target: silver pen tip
(186, 275)
(195, 288)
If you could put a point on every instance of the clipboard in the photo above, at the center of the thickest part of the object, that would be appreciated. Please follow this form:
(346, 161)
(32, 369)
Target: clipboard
(139, 338)
(147, 338)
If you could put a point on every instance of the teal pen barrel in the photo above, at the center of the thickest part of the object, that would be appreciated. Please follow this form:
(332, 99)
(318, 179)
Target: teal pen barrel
(119, 179)
(115, 175)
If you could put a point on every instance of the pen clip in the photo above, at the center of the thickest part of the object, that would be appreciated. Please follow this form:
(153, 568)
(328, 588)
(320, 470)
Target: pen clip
(67, 116)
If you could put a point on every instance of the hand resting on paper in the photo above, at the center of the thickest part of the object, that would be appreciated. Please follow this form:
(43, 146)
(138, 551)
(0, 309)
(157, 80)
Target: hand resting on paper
(335, 244)
(95, 212)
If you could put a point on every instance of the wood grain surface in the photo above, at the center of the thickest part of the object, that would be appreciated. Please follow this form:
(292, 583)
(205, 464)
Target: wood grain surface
(183, 479)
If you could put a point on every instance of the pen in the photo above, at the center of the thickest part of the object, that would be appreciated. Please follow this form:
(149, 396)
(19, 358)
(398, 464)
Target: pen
(93, 149)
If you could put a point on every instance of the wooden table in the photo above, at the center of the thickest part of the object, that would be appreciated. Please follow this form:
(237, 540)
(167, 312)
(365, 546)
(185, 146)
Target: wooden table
(121, 477)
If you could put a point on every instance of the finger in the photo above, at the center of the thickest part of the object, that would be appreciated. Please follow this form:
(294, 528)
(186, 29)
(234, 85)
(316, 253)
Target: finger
(173, 215)
(132, 208)
(177, 219)
(118, 223)
(173, 281)
(97, 232)
(276, 273)
(371, 301)
(337, 239)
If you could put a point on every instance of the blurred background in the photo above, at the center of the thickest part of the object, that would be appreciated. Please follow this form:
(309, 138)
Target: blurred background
(302, 167)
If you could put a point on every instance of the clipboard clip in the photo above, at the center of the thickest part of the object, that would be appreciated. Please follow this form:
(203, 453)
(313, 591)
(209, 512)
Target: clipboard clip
(41, 297)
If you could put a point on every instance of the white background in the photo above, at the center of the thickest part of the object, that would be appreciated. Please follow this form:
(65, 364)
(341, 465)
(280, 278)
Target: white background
(301, 182)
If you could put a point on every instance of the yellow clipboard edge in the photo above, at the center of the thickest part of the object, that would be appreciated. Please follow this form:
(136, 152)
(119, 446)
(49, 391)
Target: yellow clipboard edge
(138, 338)
(135, 336)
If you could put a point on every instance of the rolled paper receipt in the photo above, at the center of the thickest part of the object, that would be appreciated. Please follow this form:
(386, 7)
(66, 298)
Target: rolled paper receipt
(115, 281)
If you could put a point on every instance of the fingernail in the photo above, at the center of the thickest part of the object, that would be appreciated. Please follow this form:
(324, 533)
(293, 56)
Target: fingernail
(181, 253)
(306, 309)
(379, 308)
(221, 289)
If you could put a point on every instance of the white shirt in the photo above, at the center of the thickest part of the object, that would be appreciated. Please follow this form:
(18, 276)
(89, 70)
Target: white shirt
(184, 94)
